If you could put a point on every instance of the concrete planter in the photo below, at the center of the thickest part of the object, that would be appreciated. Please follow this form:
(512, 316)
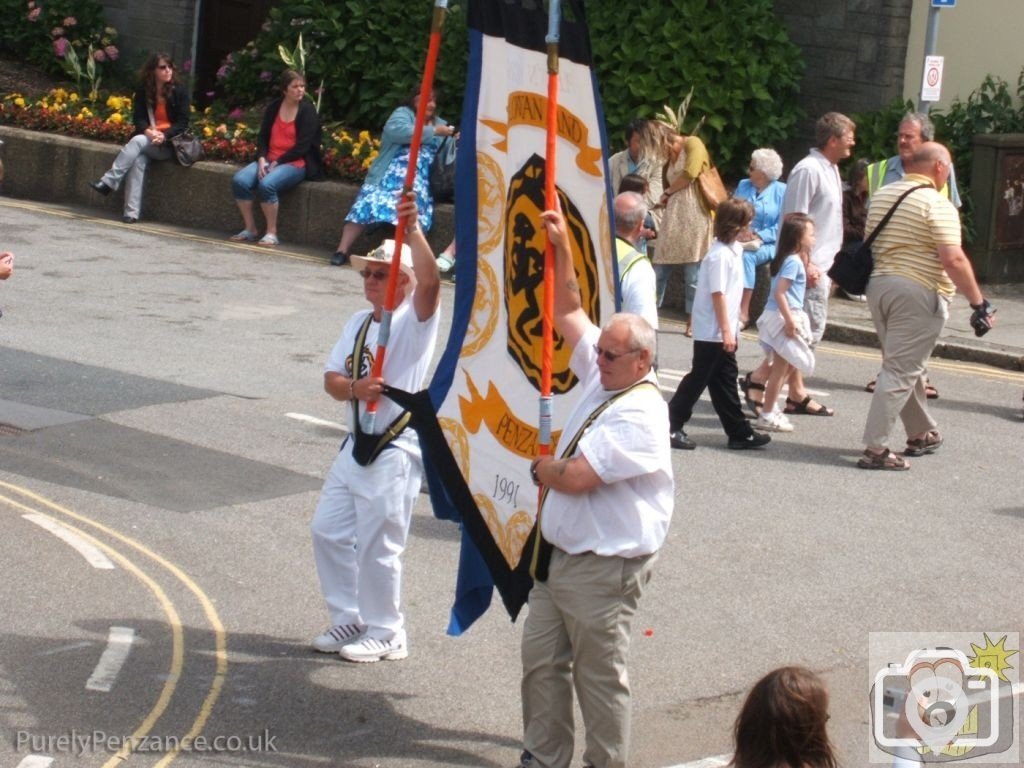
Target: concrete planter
(57, 169)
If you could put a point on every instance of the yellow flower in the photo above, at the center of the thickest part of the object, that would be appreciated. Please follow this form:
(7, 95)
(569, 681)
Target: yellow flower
(114, 102)
(19, 102)
(73, 98)
(364, 136)
(207, 131)
(115, 118)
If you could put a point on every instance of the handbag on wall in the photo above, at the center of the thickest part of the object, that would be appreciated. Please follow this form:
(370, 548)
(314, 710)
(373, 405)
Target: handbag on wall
(851, 270)
(712, 188)
(442, 172)
(187, 148)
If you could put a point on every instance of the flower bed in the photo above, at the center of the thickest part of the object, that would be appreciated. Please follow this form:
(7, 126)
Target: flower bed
(225, 136)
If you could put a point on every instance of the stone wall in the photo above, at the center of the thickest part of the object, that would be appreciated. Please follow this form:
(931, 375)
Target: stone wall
(157, 25)
(855, 54)
(58, 169)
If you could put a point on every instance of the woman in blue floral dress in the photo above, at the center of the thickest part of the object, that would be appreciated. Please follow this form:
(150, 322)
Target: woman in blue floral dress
(378, 197)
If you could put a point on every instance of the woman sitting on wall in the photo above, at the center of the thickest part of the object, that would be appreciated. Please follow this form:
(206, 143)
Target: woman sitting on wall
(289, 152)
(378, 197)
(160, 112)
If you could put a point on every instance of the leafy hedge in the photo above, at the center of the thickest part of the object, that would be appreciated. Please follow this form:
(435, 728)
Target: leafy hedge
(368, 54)
(990, 108)
(41, 32)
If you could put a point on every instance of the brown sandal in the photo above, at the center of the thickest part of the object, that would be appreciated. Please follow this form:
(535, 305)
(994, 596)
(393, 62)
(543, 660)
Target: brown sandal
(747, 384)
(802, 406)
(886, 460)
(921, 446)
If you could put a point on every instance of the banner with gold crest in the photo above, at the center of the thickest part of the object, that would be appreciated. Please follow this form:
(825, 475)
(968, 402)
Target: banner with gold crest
(487, 385)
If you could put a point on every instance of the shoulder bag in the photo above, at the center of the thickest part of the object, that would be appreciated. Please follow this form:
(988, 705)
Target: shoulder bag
(711, 188)
(853, 264)
(187, 147)
(442, 172)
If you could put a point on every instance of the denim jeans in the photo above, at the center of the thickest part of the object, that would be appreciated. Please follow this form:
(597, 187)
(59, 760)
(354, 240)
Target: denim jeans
(282, 178)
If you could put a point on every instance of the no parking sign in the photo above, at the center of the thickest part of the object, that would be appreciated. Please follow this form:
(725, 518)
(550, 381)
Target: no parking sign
(931, 85)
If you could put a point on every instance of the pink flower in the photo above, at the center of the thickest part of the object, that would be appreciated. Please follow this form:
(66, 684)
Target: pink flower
(60, 47)
(33, 15)
(99, 54)
(236, 113)
(70, 21)
(112, 52)
(187, 66)
(223, 71)
(266, 76)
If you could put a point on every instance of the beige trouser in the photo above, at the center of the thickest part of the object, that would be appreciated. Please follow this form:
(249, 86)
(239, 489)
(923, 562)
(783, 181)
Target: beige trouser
(578, 632)
(908, 318)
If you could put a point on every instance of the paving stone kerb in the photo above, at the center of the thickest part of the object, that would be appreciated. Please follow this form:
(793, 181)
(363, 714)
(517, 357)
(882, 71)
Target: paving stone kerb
(58, 169)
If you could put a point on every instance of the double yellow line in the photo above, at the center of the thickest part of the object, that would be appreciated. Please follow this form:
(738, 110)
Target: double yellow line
(173, 619)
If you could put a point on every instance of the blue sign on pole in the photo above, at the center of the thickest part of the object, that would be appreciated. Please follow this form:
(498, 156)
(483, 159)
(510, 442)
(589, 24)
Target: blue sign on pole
(943, 3)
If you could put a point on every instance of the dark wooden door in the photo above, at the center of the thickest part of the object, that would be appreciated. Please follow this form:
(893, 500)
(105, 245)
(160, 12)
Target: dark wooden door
(224, 26)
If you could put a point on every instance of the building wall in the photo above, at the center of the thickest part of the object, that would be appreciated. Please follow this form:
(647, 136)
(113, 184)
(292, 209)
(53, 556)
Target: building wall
(154, 25)
(854, 51)
(976, 37)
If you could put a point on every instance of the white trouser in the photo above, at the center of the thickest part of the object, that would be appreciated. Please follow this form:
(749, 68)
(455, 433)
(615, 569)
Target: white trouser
(359, 532)
(132, 161)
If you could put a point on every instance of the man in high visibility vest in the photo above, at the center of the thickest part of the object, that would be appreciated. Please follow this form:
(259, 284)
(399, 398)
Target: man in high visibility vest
(915, 129)
(637, 284)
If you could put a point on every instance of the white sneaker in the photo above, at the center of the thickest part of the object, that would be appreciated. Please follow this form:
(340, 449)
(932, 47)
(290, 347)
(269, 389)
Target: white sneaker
(370, 649)
(773, 422)
(335, 638)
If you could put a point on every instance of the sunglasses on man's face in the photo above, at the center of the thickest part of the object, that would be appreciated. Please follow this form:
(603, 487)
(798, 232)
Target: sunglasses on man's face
(376, 274)
(611, 357)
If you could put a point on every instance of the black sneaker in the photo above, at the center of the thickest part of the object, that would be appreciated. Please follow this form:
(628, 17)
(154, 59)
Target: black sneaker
(100, 187)
(753, 440)
(679, 439)
(339, 258)
(525, 760)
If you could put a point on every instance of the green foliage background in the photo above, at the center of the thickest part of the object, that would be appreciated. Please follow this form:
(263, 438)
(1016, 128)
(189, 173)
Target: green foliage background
(369, 54)
(32, 41)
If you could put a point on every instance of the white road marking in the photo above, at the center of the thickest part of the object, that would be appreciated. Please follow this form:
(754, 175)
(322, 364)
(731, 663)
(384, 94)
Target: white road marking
(95, 558)
(315, 421)
(63, 648)
(706, 762)
(119, 643)
(36, 761)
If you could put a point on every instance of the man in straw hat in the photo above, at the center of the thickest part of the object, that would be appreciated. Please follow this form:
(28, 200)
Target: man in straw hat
(362, 520)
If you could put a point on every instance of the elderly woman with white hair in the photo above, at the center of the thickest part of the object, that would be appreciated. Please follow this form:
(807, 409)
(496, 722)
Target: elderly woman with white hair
(765, 192)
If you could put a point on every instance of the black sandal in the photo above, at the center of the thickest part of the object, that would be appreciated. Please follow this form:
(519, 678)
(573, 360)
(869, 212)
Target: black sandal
(800, 406)
(748, 384)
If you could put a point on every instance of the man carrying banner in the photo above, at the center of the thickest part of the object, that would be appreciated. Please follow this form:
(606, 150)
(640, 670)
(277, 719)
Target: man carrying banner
(362, 520)
(606, 512)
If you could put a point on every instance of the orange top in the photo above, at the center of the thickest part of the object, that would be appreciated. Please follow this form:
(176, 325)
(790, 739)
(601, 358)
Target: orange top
(163, 122)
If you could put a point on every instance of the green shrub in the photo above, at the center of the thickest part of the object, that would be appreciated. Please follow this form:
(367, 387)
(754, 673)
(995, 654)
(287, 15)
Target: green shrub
(735, 54)
(41, 31)
(368, 55)
(988, 109)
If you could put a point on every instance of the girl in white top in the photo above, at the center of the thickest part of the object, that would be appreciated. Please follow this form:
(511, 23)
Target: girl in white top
(783, 328)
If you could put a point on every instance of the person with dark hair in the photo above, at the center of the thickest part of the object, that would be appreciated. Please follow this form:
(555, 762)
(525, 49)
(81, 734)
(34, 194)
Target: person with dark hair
(289, 152)
(783, 328)
(640, 158)
(716, 321)
(634, 182)
(379, 194)
(783, 723)
(160, 112)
